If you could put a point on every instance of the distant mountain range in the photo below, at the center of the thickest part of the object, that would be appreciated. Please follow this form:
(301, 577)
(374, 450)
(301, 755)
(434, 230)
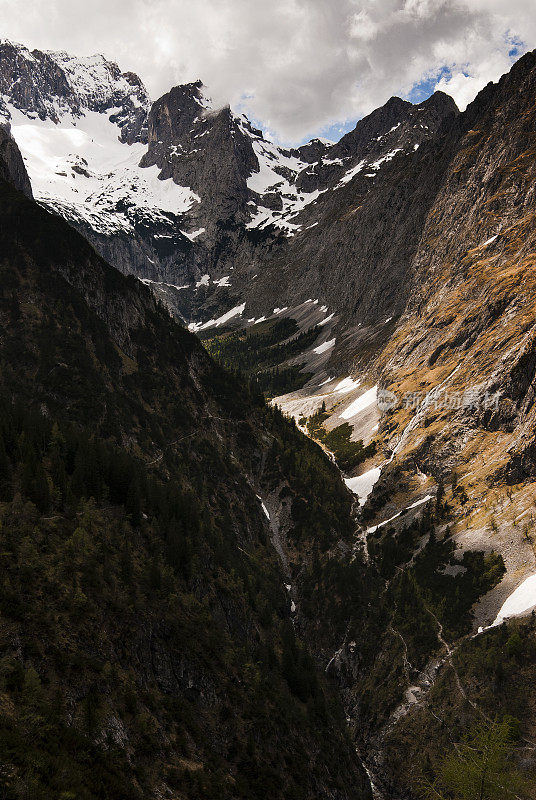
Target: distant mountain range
(180, 193)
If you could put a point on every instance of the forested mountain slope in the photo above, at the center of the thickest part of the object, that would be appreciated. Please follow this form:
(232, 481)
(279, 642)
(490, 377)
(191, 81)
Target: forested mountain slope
(147, 642)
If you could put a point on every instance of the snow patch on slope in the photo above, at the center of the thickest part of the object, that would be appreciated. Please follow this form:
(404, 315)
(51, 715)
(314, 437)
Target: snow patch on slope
(362, 485)
(346, 385)
(237, 311)
(80, 168)
(277, 173)
(521, 601)
(360, 403)
(324, 347)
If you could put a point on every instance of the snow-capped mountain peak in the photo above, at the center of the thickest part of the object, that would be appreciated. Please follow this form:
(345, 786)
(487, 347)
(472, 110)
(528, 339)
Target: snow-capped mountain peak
(180, 189)
(81, 125)
(52, 85)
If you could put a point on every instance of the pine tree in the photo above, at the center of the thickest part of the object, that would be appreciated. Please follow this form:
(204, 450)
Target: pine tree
(479, 768)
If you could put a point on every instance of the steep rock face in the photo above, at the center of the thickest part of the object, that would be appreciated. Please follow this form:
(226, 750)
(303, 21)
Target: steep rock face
(472, 285)
(211, 152)
(51, 85)
(12, 169)
(358, 238)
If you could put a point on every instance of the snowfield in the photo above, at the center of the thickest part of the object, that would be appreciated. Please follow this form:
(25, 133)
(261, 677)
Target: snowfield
(324, 347)
(363, 484)
(360, 403)
(521, 601)
(80, 168)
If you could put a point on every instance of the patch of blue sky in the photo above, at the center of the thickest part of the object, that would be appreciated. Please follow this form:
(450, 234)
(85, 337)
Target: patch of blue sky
(419, 92)
(516, 46)
(426, 86)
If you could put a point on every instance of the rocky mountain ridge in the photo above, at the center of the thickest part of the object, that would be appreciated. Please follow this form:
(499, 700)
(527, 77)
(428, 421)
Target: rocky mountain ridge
(239, 200)
(52, 85)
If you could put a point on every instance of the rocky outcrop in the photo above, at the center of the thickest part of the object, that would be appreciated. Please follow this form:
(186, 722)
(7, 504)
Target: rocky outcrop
(203, 148)
(314, 150)
(12, 167)
(209, 151)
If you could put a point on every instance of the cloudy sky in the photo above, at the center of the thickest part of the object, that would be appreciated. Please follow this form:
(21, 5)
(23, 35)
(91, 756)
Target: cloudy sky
(297, 67)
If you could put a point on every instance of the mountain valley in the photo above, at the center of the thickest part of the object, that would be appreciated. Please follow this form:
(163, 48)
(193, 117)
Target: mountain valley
(267, 447)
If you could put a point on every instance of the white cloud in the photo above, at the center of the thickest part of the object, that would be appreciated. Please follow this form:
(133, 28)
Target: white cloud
(294, 65)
